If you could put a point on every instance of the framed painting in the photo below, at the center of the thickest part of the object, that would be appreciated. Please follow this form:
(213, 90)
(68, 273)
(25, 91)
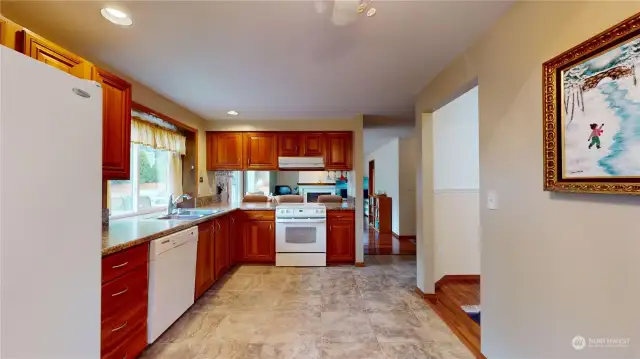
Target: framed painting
(591, 114)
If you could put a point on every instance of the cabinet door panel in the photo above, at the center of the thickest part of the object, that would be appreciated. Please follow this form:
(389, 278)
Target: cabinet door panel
(260, 151)
(313, 145)
(259, 242)
(338, 156)
(221, 252)
(50, 53)
(341, 241)
(288, 145)
(224, 151)
(116, 125)
(205, 259)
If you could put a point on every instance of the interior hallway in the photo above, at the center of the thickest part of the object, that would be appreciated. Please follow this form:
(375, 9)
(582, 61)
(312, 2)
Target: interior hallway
(376, 243)
(330, 312)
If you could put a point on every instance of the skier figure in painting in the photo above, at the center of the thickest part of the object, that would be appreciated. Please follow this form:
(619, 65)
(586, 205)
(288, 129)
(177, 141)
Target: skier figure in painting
(595, 135)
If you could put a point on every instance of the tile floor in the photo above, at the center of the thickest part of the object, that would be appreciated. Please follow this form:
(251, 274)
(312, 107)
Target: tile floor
(321, 313)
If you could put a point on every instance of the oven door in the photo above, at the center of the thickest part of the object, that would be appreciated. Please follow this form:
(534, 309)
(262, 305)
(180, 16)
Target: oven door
(301, 235)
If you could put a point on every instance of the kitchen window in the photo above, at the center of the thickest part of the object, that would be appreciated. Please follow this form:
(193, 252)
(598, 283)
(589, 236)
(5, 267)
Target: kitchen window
(148, 189)
(156, 170)
(259, 182)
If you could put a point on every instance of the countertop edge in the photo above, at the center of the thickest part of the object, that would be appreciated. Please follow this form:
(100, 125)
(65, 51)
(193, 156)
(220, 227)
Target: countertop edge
(188, 224)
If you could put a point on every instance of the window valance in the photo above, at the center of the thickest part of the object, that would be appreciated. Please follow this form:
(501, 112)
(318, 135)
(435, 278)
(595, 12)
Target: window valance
(148, 134)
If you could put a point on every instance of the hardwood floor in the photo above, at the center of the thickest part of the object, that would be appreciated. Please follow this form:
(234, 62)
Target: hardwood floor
(451, 294)
(376, 243)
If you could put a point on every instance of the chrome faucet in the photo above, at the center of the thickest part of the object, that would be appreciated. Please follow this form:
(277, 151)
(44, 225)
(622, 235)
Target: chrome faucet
(173, 203)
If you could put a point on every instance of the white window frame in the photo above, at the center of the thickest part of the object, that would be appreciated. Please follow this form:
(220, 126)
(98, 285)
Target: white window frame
(135, 178)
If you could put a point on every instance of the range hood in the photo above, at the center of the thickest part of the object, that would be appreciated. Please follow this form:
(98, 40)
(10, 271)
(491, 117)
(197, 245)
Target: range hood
(301, 162)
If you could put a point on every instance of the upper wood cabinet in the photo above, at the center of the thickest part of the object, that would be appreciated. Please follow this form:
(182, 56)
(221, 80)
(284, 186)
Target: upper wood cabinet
(339, 151)
(288, 144)
(224, 151)
(116, 125)
(260, 151)
(312, 144)
(51, 54)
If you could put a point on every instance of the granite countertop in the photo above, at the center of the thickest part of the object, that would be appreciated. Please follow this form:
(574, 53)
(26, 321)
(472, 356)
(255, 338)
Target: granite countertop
(132, 231)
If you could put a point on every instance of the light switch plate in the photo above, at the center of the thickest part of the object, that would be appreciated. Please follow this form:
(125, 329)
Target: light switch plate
(492, 200)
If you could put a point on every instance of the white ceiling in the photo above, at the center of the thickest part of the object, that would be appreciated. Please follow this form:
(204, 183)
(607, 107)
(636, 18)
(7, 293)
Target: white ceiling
(271, 59)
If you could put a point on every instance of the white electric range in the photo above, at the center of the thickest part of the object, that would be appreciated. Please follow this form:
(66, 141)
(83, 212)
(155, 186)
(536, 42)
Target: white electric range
(301, 235)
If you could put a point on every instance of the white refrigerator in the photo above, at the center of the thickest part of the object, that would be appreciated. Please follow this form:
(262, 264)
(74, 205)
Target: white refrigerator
(50, 211)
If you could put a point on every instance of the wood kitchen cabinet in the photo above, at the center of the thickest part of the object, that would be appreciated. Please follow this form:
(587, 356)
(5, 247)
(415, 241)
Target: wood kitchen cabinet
(338, 151)
(258, 237)
(289, 144)
(312, 144)
(259, 242)
(224, 151)
(124, 303)
(116, 99)
(260, 151)
(116, 125)
(205, 258)
(51, 54)
(221, 247)
(341, 237)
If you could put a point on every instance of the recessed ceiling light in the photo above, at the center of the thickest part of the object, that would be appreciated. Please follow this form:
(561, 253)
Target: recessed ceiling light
(232, 113)
(116, 16)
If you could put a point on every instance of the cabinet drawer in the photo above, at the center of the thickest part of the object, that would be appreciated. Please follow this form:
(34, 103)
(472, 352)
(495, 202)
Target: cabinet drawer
(119, 326)
(341, 215)
(115, 265)
(260, 215)
(131, 347)
(122, 292)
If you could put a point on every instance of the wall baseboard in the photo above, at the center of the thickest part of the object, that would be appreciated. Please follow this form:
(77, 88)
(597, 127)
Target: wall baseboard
(409, 238)
(359, 264)
(429, 297)
(457, 278)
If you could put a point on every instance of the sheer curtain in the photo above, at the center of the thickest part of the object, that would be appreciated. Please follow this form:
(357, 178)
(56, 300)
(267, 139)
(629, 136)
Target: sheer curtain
(175, 174)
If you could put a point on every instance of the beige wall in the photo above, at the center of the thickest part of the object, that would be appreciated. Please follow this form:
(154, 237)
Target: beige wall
(408, 161)
(553, 265)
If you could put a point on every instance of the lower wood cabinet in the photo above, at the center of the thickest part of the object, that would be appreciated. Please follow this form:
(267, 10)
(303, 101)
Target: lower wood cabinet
(221, 261)
(214, 253)
(341, 237)
(124, 303)
(205, 275)
(259, 242)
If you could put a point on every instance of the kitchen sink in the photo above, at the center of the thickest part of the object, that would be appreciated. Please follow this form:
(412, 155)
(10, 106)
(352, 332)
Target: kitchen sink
(182, 217)
(190, 214)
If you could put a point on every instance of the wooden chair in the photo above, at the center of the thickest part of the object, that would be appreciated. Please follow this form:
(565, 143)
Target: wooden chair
(289, 198)
(329, 198)
(255, 198)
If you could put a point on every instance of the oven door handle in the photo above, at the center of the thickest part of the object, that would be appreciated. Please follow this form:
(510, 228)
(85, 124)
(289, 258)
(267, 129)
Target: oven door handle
(301, 220)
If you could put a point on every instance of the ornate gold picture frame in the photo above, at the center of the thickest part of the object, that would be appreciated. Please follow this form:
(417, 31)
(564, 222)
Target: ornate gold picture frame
(591, 114)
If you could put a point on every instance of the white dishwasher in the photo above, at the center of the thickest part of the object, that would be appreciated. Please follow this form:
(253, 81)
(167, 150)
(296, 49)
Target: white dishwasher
(172, 279)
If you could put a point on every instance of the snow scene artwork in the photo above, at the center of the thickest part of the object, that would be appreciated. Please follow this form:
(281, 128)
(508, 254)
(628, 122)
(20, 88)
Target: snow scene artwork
(600, 115)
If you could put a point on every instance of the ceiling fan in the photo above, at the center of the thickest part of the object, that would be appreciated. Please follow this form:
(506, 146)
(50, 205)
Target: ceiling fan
(344, 12)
